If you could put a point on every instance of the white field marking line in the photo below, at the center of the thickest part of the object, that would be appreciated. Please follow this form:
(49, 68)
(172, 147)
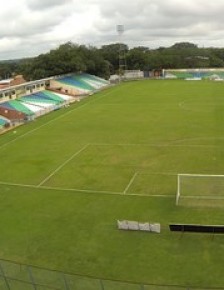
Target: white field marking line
(200, 138)
(84, 190)
(200, 175)
(62, 165)
(216, 197)
(58, 188)
(130, 183)
(155, 145)
(179, 174)
(57, 118)
(105, 192)
(157, 173)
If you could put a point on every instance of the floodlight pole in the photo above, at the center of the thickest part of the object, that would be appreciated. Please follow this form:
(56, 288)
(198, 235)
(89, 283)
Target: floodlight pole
(121, 56)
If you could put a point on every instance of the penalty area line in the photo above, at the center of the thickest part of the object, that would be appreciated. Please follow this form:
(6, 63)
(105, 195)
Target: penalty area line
(85, 190)
(105, 192)
(130, 183)
(62, 165)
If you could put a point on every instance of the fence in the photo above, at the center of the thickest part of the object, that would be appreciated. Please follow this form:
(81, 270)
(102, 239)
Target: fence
(14, 276)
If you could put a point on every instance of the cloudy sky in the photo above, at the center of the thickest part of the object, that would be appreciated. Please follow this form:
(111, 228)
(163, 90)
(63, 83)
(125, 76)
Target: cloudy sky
(31, 27)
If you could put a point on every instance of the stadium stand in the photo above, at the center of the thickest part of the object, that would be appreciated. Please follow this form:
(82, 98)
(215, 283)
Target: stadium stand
(94, 82)
(29, 100)
(212, 74)
(64, 97)
(78, 84)
(37, 110)
(33, 105)
(38, 100)
(52, 96)
(39, 106)
(3, 121)
(95, 78)
(17, 106)
(44, 101)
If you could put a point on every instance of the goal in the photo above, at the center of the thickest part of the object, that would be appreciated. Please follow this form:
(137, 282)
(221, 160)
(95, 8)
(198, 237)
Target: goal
(200, 189)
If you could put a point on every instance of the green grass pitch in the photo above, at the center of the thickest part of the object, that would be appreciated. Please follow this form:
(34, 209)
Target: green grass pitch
(68, 176)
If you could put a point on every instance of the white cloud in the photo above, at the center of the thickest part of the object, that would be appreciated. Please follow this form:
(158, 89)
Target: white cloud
(46, 4)
(31, 27)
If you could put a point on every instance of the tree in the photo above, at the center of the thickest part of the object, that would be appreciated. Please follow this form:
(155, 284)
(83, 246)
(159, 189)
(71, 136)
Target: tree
(137, 59)
(184, 45)
(111, 54)
(104, 61)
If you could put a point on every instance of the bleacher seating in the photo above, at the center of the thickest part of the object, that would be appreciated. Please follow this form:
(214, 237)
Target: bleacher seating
(17, 106)
(84, 82)
(194, 74)
(63, 97)
(34, 108)
(76, 83)
(95, 82)
(95, 78)
(2, 122)
(44, 101)
(28, 107)
(35, 98)
(52, 96)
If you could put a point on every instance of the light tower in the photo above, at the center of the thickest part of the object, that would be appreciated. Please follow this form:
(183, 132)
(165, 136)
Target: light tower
(121, 56)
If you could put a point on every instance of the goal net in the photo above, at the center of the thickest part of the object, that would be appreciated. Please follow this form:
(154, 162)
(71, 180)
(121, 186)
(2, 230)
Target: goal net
(200, 189)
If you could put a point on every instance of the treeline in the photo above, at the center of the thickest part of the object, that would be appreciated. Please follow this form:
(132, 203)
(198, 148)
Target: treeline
(104, 61)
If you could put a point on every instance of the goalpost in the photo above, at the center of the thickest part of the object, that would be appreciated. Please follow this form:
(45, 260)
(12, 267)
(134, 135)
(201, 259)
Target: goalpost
(204, 189)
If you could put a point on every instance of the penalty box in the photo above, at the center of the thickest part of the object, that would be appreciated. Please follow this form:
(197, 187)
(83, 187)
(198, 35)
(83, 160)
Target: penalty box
(114, 168)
